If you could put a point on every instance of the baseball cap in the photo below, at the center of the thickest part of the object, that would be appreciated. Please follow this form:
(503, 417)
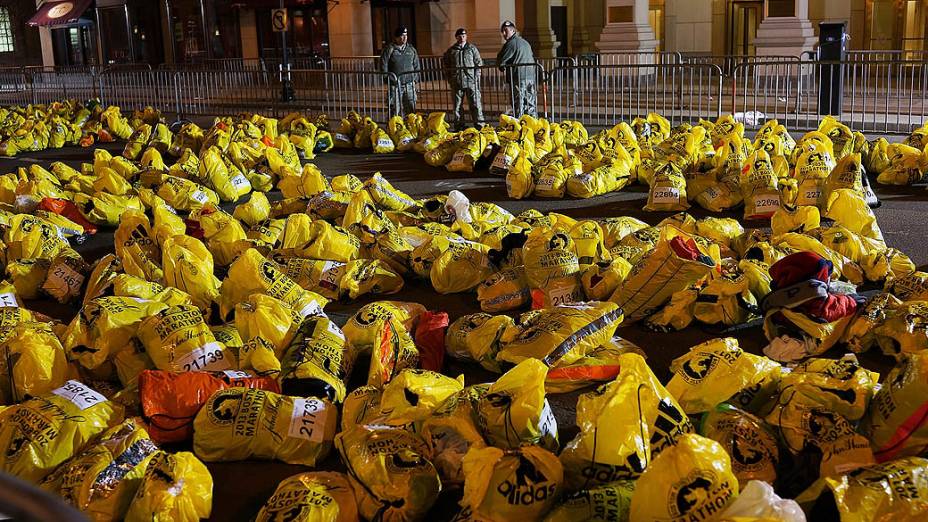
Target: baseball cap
(460, 31)
(507, 23)
(400, 31)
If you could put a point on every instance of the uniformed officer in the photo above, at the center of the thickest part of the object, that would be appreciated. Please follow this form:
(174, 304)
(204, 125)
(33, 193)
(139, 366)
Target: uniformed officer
(462, 61)
(401, 59)
(517, 51)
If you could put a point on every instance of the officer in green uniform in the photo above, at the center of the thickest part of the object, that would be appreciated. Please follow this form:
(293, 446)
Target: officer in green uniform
(398, 58)
(462, 61)
(517, 51)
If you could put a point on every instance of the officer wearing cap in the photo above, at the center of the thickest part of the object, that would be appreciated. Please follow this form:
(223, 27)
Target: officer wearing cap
(401, 59)
(518, 61)
(462, 61)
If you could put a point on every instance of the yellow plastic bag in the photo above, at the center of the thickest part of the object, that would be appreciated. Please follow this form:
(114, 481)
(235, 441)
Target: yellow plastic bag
(691, 480)
(713, 372)
(386, 195)
(102, 480)
(32, 360)
(136, 248)
(668, 189)
(660, 274)
(364, 327)
(313, 496)
(905, 165)
(392, 352)
(188, 266)
(746, 438)
(601, 279)
(889, 491)
(253, 211)
(252, 273)
(177, 339)
(518, 484)
(895, 421)
(910, 287)
(460, 268)
(317, 361)
(622, 424)
(904, 330)
(240, 423)
(477, 337)
(104, 327)
(414, 394)
(552, 266)
(506, 289)
(176, 487)
(563, 334)
(759, 187)
(451, 431)
(610, 502)
(43, 432)
(389, 471)
(519, 180)
(514, 411)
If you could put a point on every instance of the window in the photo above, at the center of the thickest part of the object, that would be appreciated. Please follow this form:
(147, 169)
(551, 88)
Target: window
(6, 31)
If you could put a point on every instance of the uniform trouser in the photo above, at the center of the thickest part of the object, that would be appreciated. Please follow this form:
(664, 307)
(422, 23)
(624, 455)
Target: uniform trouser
(403, 97)
(523, 99)
(473, 98)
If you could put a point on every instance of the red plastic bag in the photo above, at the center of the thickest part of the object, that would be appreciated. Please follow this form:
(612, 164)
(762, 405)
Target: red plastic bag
(430, 340)
(170, 401)
(69, 210)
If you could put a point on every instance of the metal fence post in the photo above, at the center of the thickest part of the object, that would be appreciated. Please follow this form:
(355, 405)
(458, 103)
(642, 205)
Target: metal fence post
(179, 108)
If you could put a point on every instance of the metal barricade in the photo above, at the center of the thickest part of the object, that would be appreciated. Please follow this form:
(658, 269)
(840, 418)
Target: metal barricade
(495, 84)
(601, 95)
(50, 84)
(728, 62)
(214, 93)
(337, 92)
(886, 96)
(131, 90)
(15, 88)
(629, 58)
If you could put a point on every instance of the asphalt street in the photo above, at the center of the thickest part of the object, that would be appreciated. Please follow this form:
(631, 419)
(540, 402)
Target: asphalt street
(241, 487)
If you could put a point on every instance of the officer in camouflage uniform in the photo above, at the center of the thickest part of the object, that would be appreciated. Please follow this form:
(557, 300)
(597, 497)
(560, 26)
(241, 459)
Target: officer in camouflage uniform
(398, 58)
(461, 62)
(521, 80)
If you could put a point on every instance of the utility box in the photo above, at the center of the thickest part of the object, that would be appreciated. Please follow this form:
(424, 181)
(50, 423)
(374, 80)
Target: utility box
(832, 48)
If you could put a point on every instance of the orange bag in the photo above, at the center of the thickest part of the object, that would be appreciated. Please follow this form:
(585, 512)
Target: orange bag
(170, 401)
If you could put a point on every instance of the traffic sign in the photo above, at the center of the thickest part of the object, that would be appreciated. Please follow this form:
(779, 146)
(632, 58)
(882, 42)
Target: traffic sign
(279, 20)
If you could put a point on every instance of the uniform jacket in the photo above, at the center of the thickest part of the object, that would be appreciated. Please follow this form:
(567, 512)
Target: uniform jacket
(400, 59)
(461, 64)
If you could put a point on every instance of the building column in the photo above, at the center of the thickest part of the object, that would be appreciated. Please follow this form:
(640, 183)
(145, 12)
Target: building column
(588, 24)
(786, 30)
(627, 27)
(350, 29)
(248, 32)
(489, 15)
(688, 26)
(537, 21)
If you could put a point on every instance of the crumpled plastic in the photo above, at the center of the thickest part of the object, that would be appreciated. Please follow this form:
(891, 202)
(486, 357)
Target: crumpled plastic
(176, 487)
(241, 423)
(316, 495)
(623, 425)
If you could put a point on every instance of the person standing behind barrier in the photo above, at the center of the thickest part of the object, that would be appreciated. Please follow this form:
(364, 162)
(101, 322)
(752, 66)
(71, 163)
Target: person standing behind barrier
(462, 61)
(401, 59)
(515, 52)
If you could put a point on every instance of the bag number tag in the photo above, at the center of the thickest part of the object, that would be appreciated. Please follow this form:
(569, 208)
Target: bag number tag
(766, 204)
(666, 195)
(8, 299)
(385, 143)
(82, 396)
(240, 181)
(236, 374)
(501, 161)
(208, 357)
(200, 197)
(308, 420)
